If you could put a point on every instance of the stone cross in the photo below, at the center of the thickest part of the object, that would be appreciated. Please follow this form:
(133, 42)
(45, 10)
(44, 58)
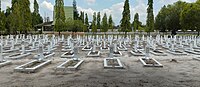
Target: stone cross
(147, 49)
(111, 51)
(49, 48)
(94, 48)
(12, 44)
(40, 50)
(104, 43)
(1, 52)
(23, 47)
(135, 46)
(115, 47)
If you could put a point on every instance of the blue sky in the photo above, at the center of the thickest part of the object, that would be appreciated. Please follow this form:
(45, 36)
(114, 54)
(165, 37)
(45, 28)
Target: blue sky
(113, 7)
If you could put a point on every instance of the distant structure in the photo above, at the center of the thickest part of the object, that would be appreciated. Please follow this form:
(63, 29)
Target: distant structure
(69, 14)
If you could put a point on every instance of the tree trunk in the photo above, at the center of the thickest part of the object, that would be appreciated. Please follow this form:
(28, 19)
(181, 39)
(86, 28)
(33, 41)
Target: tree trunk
(198, 33)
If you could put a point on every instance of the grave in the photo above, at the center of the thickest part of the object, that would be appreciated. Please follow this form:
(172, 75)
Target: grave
(9, 48)
(191, 50)
(68, 46)
(135, 51)
(70, 64)
(157, 52)
(112, 63)
(87, 47)
(105, 46)
(197, 58)
(70, 53)
(116, 52)
(47, 54)
(174, 51)
(147, 61)
(19, 55)
(34, 65)
(94, 52)
(121, 46)
(2, 61)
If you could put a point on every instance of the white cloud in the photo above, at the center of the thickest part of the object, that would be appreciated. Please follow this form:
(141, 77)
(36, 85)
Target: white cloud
(90, 1)
(47, 5)
(5, 3)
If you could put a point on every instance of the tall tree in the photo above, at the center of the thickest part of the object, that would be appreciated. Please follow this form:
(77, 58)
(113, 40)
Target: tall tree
(82, 17)
(98, 20)
(36, 18)
(86, 21)
(2, 22)
(16, 22)
(60, 16)
(8, 20)
(136, 22)
(94, 23)
(160, 20)
(110, 23)
(125, 21)
(75, 10)
(190, 16)
(104, 23)
(150, 17)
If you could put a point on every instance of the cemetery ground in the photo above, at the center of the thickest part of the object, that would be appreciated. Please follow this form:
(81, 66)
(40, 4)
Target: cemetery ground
(177, 71)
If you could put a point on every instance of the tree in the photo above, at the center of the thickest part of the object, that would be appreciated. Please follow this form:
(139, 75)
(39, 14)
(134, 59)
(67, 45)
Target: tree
(160, 20)
(136, 22)
(150, 17)
(86, 22)
(104, 23)
(190, 17)
(94, 24)
(110, 23)
(75, 10)
(8, 20)
(125, 21)
(98, 20)
(25, 14)
(2, 22)
(60, 16)
(16, 22)
(36, 18)
(82, 17)
(74, 25)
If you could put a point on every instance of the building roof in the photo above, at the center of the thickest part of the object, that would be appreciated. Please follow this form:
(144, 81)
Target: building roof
(44, 24)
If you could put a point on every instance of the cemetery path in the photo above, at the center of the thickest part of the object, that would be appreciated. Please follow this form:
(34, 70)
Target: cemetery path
(91, 74)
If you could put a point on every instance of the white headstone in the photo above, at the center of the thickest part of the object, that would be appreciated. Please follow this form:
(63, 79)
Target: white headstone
(1, 52)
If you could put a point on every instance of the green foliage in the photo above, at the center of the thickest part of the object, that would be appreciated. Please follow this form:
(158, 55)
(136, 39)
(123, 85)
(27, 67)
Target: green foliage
(94, 24)
(15, 19)
(104, 23)
(2, 22)
(86, 22)
(136, 22)
(98, 20)
(189, 17)
(76, 15)
(125, 21)
(82, 17)
(59, 16)
(36, 18)
(165, 20)
(150, 17)
(74, 25)
(110, 23)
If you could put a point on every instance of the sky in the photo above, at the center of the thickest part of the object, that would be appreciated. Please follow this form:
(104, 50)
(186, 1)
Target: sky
(110, 7)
